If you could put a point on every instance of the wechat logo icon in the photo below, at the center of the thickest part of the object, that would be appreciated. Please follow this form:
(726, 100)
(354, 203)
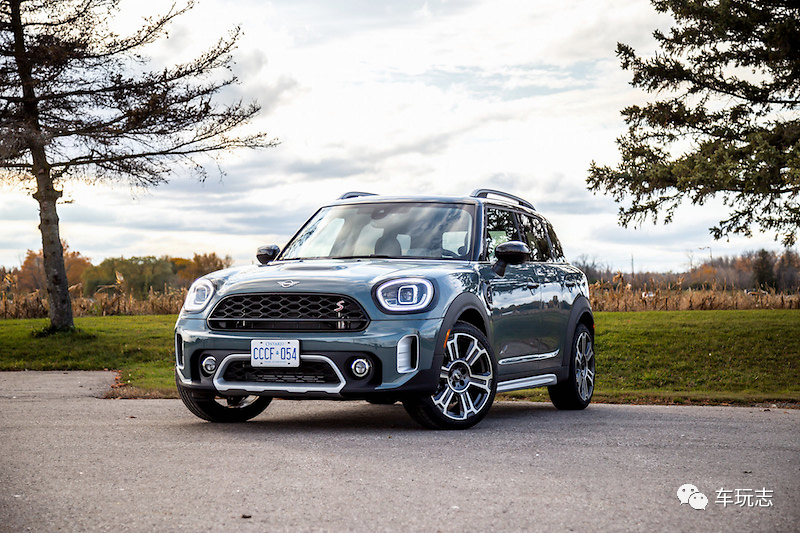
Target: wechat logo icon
(690, 494)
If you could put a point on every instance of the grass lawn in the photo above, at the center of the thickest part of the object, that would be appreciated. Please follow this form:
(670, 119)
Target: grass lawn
(139, 347)
(715, 357)
(709, 357)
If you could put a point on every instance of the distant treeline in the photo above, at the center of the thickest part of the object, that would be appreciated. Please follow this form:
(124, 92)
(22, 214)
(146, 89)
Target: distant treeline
(157, 285)
(758, 270)
(134, 276)
(152, 285)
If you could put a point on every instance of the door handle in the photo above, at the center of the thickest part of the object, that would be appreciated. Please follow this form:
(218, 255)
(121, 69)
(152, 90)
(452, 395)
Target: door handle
(532, 284)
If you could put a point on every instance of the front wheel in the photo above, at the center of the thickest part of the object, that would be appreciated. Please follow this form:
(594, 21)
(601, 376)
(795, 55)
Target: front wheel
(467, 383)
(576, 392)
(224, 409)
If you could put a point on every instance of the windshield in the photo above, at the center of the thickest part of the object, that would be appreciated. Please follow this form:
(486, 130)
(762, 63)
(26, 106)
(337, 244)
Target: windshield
(392, 230)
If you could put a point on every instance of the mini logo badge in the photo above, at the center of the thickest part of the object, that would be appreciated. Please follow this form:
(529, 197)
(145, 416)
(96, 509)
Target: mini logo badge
(339, 307)
(287, 283)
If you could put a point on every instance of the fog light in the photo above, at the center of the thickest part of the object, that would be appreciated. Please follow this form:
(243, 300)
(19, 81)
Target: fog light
(360, 367)
(209, 364)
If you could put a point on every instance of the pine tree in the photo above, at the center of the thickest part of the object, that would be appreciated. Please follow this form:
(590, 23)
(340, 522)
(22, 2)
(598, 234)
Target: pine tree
(725, 123)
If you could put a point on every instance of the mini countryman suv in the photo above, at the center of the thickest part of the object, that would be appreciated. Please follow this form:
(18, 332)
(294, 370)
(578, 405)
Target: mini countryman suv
(436, 302)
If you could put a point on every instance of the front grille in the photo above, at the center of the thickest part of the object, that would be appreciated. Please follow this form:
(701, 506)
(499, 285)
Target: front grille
(288, 312)
(317, 372)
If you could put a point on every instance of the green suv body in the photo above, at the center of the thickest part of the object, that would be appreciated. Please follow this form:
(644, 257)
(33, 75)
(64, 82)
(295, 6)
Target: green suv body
(438, 302)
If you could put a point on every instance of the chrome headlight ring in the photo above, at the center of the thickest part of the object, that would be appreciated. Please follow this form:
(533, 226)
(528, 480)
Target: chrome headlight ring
(404, 295)
(200, 293)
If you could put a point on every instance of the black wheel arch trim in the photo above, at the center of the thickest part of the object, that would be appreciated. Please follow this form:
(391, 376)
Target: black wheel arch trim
(427, 380)
(580, 309)
(464, 303)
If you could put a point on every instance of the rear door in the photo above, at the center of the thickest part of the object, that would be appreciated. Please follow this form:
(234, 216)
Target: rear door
(553, 313)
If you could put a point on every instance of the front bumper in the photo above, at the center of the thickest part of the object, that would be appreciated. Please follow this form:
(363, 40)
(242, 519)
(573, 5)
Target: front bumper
(325, 360)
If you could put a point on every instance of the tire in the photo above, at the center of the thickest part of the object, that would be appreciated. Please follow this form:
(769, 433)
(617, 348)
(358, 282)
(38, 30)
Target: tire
(467, 383)
(225, 409)
(576, 392)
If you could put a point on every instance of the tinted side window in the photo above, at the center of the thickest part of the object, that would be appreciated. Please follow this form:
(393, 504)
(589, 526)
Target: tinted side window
(500, 228)
(536, 238)
(558, 253)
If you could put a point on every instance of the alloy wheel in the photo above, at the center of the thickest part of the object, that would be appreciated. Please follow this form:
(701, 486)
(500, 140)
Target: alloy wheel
(584, 366)
(465, 379)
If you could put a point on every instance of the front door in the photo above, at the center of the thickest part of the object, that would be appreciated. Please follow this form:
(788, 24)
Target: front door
(515, 299)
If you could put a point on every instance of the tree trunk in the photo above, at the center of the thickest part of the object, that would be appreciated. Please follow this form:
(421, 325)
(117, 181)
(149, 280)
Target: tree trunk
(54, 271)
(46, 194)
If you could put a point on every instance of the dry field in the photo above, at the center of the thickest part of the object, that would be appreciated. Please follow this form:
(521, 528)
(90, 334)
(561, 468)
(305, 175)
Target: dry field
(605, 296)
(610, 296)
(102, 304)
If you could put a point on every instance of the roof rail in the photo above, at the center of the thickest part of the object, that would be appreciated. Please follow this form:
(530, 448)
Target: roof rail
(355, 194)
(484, 193)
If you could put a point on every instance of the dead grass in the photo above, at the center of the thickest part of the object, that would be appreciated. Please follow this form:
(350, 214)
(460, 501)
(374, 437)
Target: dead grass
(617, 295)
(108, 303)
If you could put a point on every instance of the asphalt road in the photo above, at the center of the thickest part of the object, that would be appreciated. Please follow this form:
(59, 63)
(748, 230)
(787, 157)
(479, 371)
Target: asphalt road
(74, 462)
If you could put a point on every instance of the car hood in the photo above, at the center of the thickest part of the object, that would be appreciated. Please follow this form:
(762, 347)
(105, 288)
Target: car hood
(350, 276)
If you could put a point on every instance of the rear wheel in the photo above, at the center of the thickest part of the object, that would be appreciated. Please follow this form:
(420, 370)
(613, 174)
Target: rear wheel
(467, 383)
(223, 409)
(576, 392)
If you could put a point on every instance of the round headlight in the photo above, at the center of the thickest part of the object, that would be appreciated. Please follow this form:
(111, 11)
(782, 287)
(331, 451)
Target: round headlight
(405, 294)
(200, 294)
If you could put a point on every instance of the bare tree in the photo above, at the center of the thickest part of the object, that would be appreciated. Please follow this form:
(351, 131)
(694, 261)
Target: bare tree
(77, 101)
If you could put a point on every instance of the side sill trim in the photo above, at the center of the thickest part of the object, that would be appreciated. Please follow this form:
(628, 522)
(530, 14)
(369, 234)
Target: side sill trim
(527, 383)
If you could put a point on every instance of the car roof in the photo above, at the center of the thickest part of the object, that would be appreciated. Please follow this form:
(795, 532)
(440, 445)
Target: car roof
(504, 199)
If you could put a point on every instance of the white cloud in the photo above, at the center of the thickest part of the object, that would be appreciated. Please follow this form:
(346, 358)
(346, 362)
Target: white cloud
(394, 97)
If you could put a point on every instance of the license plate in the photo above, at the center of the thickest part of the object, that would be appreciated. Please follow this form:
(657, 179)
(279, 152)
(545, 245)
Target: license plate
(274, 353)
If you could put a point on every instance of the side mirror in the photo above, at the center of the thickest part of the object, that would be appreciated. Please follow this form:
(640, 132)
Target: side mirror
(510, 253)
(265, 254)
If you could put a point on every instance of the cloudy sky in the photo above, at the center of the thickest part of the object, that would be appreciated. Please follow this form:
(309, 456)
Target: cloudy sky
(394, 97)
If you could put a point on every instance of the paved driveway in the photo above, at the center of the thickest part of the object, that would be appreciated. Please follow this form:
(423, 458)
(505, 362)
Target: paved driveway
(73, 462)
